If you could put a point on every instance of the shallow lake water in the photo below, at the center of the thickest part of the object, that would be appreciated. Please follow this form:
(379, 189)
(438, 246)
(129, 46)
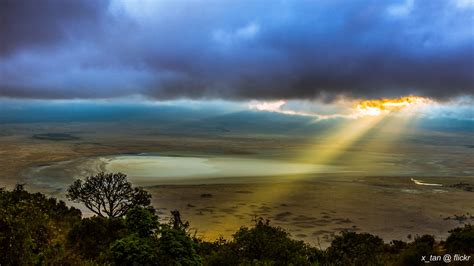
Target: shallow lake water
(149, 170)
(164, 168)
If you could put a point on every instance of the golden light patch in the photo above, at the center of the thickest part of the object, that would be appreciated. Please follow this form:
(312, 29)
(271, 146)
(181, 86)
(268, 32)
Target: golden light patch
(387, 105)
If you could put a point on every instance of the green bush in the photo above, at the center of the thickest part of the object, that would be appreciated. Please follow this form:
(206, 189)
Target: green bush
(33, 228)
(134, 250)
(422, 246)
(175, 247)
(92, 237)
(461, 240)
(261, 244)
(142, 221)
(351, 248)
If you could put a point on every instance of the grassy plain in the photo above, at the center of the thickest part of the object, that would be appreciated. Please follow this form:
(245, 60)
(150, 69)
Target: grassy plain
(313, 207)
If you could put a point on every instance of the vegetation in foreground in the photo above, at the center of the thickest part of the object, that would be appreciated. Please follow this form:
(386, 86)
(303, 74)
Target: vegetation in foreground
(36, 230)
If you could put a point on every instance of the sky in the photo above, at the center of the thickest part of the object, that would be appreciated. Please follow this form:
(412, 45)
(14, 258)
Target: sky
(236, 50)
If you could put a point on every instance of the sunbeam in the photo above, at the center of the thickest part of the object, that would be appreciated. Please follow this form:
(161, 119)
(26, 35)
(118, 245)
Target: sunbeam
(381, 119)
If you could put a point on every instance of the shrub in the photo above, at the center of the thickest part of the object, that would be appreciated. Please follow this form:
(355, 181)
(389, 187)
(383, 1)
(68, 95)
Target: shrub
(461, 240)
(142, 221)
(134, 250)
(422, 246)
(175, 247)
(33, 228)
(351, 248)
(92, 237)
(262, 243)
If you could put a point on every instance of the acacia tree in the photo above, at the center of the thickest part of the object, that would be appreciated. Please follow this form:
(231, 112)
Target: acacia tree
(108, 194)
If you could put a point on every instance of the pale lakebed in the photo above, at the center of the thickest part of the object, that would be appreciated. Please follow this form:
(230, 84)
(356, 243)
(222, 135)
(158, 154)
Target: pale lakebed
(149, 170)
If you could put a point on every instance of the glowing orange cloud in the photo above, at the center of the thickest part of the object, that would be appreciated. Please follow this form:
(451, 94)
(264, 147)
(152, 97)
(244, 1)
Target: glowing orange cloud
(388, 105)
(361, 108)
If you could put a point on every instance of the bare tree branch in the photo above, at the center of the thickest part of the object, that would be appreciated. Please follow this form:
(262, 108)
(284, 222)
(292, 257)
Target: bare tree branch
(108, 194)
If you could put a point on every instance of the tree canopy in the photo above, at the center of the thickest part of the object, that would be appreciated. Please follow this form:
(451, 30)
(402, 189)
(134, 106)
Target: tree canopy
(108, 194)
(33, 227)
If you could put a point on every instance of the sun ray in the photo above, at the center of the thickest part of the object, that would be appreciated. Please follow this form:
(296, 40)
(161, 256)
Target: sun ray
(371, 117)
(336, 141)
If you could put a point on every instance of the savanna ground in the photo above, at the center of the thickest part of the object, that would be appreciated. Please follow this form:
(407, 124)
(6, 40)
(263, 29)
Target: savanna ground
(311, 207)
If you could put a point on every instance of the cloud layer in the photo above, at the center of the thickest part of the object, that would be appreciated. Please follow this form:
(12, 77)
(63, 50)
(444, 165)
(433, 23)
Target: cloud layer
(237, 50)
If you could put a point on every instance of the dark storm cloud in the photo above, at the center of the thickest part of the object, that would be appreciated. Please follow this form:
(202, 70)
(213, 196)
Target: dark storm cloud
(236, 49)
(28, 24)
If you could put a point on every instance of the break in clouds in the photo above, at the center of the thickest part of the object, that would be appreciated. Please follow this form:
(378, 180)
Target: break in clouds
(236, 50)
